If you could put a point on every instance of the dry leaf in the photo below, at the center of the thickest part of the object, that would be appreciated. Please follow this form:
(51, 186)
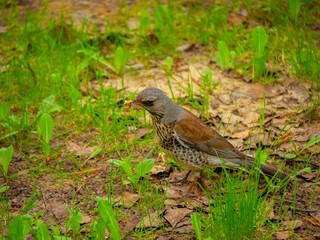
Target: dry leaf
(242, 135)
(130, 223)
(127, 199)
(313, 221)
(58, 209)
(294, 224)
(140, 133)
(251, 119)
(160, 169)
(173, 194)
(175, 215)
(283, 235)
(85, 219)
(272, 215)
(151, 220)
(184, 226)
(316, 215)
(225, 99)
(80, 149)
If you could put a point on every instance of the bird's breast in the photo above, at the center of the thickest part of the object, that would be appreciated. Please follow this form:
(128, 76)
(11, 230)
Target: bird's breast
(190, 157)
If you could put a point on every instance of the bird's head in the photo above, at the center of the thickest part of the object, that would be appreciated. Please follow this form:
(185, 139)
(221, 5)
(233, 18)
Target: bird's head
(156, 102)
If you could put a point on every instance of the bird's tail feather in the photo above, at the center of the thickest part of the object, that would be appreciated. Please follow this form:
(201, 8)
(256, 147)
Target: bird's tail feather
(270, 171)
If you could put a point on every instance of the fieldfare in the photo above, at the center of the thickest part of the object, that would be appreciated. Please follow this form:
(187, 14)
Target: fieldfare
(188, 140)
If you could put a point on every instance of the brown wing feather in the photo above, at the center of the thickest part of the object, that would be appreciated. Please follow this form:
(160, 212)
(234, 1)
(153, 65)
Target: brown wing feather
(193, 132)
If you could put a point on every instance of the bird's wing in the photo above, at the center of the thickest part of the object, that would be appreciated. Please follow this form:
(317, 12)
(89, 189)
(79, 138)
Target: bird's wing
(192, 132)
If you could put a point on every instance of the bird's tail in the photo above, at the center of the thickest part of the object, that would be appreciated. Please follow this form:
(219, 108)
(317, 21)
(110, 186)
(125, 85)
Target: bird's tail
(270, 171)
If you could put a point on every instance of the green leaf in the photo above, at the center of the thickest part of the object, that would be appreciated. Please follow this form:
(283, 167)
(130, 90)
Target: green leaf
(125, 166)
(42, 231)
(45, 127)
(260, 39)
(259, 66)
(4, 111)
(169, 62)
(261, 156)
(4, 188)
(144, 23)
(106, 213)
(98, 229)
(96, 56)
(294, 9)
(56, 232)
(313, 141)
(290, 156)
(46, 149)
(75, 220)
(95, 153)
(121, 58)
(307, 170)
(48, 105)
(144, 167)
(19, 227)
(5, 159)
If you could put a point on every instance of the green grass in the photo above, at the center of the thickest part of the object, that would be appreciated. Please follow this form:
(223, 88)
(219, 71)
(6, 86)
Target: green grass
(47, 71)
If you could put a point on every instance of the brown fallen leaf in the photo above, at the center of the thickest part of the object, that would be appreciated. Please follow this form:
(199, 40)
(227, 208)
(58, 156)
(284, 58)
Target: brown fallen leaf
(160, 169)
(313, 221)
(80, 149)
(272, 215)
(86, 219)
(225, 99)
(151, 220)
(283, 235)
(259, 90)
(242, 135)
(173, 193)
(251, 119)
(58, 209)
(130, 223)
(290, 225)
(316, 215)
(308, 176)
(175, 215)
(139, 133)
(184, 226)
(127, 199)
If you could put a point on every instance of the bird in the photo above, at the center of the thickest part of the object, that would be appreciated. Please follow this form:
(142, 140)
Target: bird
(188, 140)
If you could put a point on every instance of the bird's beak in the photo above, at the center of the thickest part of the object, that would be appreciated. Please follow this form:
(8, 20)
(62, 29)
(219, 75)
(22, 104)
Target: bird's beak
(136, 104)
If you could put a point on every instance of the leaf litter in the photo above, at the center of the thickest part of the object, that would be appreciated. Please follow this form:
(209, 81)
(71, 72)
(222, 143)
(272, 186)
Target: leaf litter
(284, 103)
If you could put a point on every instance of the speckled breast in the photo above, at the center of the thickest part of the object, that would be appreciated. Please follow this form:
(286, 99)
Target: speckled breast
(190, 158)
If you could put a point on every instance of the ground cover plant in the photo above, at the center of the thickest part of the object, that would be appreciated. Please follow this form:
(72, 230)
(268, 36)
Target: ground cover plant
(77, 163)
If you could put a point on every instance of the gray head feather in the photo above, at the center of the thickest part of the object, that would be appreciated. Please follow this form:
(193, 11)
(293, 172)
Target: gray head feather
(159, 104)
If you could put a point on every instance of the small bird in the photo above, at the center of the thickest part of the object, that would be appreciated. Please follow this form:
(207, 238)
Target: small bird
(188, 140)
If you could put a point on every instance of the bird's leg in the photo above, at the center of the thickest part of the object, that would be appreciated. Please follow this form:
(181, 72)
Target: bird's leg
(184, 179)
(198, 183)
(201, 182)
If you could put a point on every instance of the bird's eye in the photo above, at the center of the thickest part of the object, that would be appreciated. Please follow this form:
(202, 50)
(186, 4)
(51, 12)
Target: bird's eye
(147, 103)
